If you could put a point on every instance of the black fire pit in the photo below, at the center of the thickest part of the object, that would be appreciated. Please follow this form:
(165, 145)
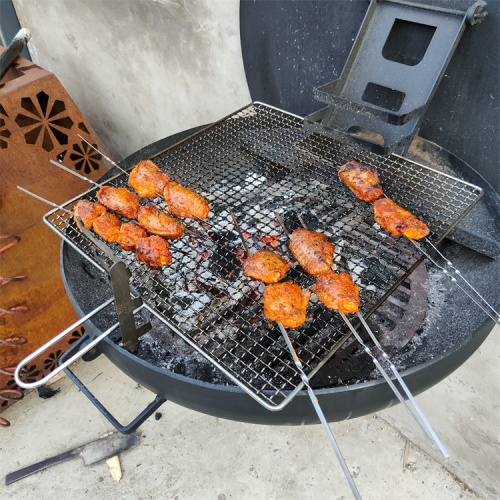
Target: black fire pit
(428, 327)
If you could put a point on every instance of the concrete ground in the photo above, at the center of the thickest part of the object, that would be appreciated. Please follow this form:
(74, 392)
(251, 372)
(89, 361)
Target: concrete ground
(188, 455)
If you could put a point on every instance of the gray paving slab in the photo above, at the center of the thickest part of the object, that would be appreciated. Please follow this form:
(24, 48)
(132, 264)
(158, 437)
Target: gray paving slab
(189, 455)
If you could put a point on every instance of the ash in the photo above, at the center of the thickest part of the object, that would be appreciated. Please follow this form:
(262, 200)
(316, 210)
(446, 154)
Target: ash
(165, 349)
(452, 318)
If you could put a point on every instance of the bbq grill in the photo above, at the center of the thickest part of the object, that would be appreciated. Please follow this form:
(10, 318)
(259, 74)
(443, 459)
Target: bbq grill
(209, 347)
(258, 161)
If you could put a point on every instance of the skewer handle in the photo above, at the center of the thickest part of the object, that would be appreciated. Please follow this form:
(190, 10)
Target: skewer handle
(75, 173)
(474, 295)
(79, 354)
(404, 386)
(101, 153)
(43, 199)
(320, 413)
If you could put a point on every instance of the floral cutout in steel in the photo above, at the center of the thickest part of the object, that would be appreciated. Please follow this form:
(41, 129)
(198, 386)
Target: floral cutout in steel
(4, 132)
(85, 157)
(45, 121)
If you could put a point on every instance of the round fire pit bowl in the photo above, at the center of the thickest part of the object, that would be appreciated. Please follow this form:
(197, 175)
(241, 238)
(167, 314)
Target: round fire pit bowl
(452, 329)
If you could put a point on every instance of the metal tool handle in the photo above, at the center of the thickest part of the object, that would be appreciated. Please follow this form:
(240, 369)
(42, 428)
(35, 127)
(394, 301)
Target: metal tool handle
(43, 348)
(13, 50)
(44, 464)
(405, 388)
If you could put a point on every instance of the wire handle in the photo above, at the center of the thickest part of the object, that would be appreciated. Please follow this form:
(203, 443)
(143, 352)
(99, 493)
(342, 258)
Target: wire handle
(79, 354)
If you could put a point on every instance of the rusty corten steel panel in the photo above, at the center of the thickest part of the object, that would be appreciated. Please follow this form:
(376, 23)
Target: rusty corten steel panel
(39, 122)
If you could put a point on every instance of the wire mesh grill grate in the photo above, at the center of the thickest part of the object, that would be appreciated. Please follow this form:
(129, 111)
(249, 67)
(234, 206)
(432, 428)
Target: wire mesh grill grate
(259, 161)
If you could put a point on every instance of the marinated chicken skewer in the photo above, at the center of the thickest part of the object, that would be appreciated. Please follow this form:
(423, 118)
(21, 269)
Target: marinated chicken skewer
(148, 181)
(185, 202)
(264, 265)
(107, 226)
(293, 295)
(312, 250)
(88, 211)
(127, 204)
(119, 200)
(345, 299)
(129, 235)
(286, 303)
(337, 291)
(158, 222)
(91, 214)
(362, 180)
(154, 251)
(396, 220)
(151, 250)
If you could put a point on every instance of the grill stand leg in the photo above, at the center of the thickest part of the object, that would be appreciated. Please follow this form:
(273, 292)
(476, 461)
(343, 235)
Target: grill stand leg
(124, 429)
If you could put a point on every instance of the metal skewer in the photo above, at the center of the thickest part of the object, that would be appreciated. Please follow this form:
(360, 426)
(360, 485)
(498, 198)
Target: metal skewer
(453, 275)
(101, 153)
(432, 440)
(305, 382)
(319, 412)
(160, 195)
(60, 165)
(44, 200)
(402, 384)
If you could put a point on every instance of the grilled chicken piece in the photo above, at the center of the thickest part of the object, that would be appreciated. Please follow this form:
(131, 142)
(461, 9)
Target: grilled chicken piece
(129, 235)
(107, 226)
(185, 202)
(154, 252)
(148, 180)
(156, 221)
(286, 302)
(362, 180)
(312, 250)
(265, 266)
(337, 291)
(397, 220)
(88, 211)
(119, 200)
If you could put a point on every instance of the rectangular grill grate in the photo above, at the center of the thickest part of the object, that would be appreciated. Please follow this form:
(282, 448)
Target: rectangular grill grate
(258, 161)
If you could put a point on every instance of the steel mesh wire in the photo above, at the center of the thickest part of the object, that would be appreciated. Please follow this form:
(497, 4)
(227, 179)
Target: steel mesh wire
(259, 161)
